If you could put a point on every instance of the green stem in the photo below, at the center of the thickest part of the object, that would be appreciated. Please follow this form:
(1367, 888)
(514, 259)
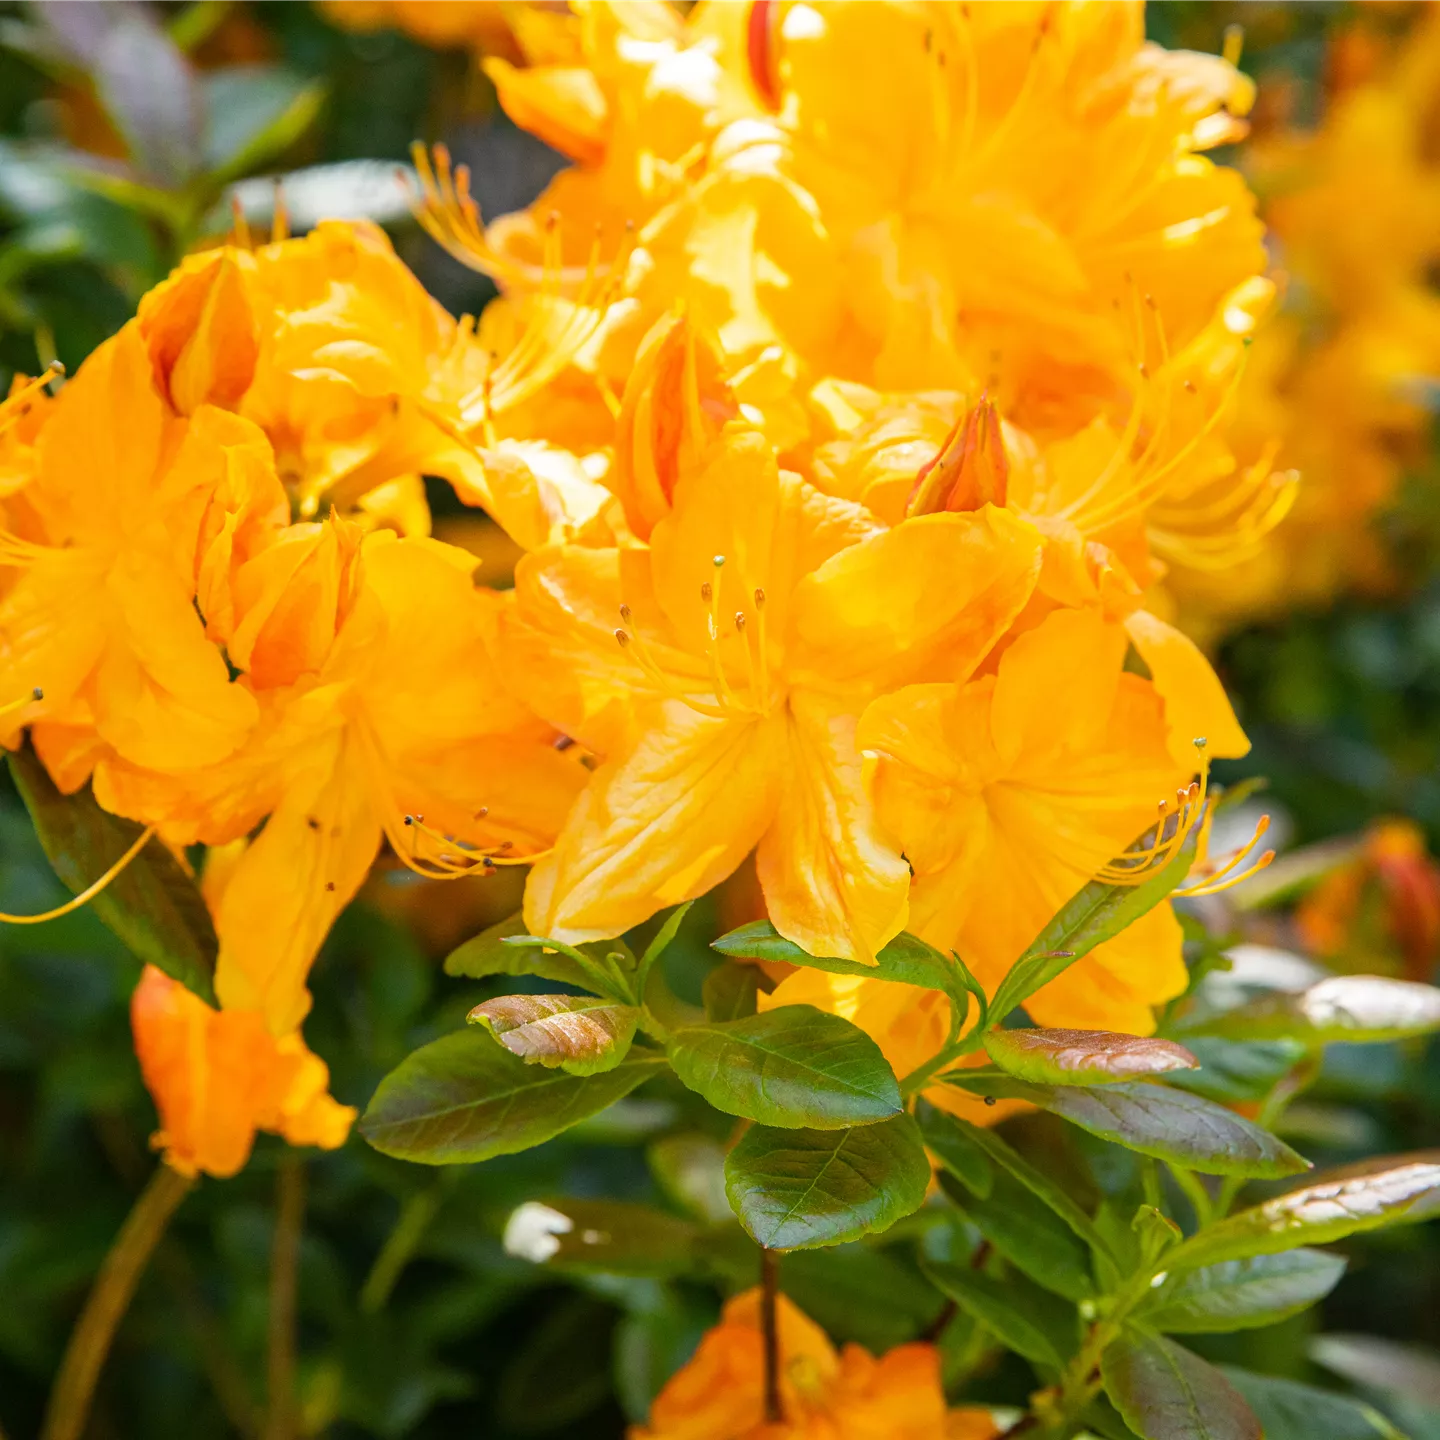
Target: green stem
(919, 1078)
(284, 1267)
(1195, 1192)
(108, 1300)
(415, 1216)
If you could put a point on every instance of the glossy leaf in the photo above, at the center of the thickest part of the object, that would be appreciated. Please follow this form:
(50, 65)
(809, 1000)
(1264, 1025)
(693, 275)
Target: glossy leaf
(252, 113)
(1367, 1197)
(1164, 1392)
(1291, 1411)
(952, 1143)
(152, 905)
(796, 1189)
(1028, 1234)
(1023, 1317)
(1169, 1124)
(573, 1032)
(1083, 1057)
(462, 1098)
(794, 1067)
(603, 1235)
(1242, 1294)
(907, 960)
(1094, 914)
(1342, 1007)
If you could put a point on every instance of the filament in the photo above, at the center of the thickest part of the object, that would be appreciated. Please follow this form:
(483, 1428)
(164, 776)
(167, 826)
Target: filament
(9, 709)
(15, 405)
(1229, 874)
(86, 895)
(1136, 866)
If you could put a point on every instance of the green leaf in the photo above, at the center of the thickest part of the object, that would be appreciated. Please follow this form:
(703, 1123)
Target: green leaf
(613, 1236)
(1378, 1193)
(487, 954)
(1024, 1318)
(252, 113)
(1169, 1124)
(730, 992)
(1242, 1294)
(1028, 1234)
(1094, 914)
(1083, 1057)
(907, 960)
(152, 905)
(1231, 1071)
(1342, 1007)
(570, 1032)
(952, 1143)
(462, 1098)
(690, 1169)
(795, 1067)
(1164, 1392)
(796, 1189)
(860, 1292)
(1408, 1373)
(1291, 1411)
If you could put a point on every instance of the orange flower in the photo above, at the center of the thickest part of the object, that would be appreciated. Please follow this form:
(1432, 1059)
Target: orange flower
(825, 1395)
(218, 1076)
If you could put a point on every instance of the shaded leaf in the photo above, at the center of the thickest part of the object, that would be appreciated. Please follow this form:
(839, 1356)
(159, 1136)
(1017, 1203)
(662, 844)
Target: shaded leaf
(462, 1098)
(1164, 1392)
(1083, 1057)
(1343, 1007)
(954, 1146)
(573, 1032)
(1365, 1197)
(793, 1067)
(1232, 1071)
(487, 954)
(1241, 1294)
(604, 1235)
(1380, 1364)
(730, 992)
(252, 113)
(152, 905)
(1291, 1411)
(1094, 914)
(690, 1169)
(1025, 1318)
(1155, 1120)
(860, 1292)
(795, 1189)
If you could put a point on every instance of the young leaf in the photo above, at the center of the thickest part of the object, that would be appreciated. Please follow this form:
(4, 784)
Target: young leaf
(1025, 1318)
(152, 905)
(487, 954)
(462, 1098)
(907, 960)
(570, 1032)
(950, 1142)
(1242, 1294)
(796, 1189)
(605, 1235)
(1164, 1392)
(1095, 913)
(1343, 1007)
(1083, 1057)
(1365, 1197)
(795, 1067)
(1028, 1234)
(1291, 1411)
(1170, 1124)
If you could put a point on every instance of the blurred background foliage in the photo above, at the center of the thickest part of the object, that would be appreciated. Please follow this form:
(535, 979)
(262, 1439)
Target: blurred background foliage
(125, 128)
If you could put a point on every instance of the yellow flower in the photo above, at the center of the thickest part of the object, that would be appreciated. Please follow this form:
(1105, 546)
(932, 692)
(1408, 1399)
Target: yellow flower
(824, 1395)
(719, 674)
(1009, 792)
(380, 717)
(218, 1076)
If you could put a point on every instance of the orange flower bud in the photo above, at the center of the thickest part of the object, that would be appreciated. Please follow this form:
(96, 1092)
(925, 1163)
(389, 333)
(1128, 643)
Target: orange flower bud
(970, 469)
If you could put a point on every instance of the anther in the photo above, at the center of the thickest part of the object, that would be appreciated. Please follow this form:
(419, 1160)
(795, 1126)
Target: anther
(623, 638)
(706, 592)
(37, 693)
(482, 812)
(759, 597)
(625, 613)
(740, 621)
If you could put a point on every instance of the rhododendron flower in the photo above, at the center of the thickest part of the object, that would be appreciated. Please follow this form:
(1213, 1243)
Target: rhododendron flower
(218, 1076)
(719, 675)
(824, 1394)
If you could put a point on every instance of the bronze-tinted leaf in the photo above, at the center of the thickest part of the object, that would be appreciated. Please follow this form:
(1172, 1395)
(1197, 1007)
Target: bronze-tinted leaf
(573, 1032)
(1084, 1057)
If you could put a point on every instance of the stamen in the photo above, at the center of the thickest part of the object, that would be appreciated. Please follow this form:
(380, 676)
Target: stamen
(9, 709)
(86, 895)
(239, 226)
(1135, 866)
(710, 594)
(14, 406)
(1229, 874)
(668, 686)
(280, 224)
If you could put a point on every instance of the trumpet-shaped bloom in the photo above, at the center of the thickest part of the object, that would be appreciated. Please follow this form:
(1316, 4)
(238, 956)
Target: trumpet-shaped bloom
(381, 716)
(719, 674)
(1008, 792)
(218, 1076)
(824, 1394)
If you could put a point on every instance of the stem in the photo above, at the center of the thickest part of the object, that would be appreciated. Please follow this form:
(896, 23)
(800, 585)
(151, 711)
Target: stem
(1193, 1188)
(107, 1302)
(770, 1330)
(415, 1216)
(917, 1079)
(284, 1262)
